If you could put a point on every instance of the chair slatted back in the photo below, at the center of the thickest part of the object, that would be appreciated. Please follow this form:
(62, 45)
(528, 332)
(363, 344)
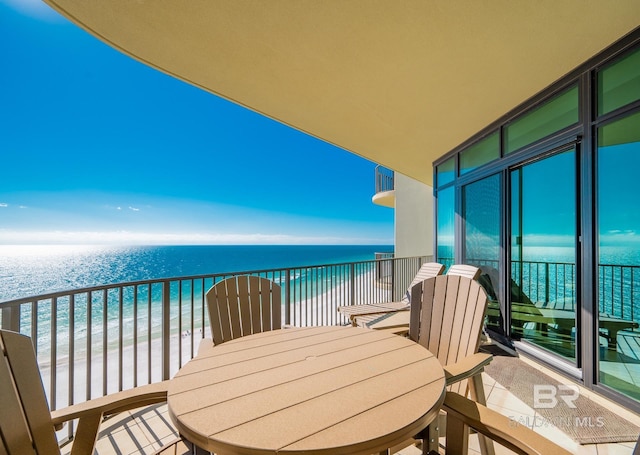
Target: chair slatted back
(447, 313)
(25, 419)
(427, 270)
(468, 271)
(243, 305)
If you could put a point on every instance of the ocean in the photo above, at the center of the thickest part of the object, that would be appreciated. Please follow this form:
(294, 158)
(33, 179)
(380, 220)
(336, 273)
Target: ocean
(37, 269)
(27, 271)
(549, 274)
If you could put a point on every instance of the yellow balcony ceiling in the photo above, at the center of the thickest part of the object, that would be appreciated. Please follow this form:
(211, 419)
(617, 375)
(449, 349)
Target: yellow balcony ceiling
(399, 82)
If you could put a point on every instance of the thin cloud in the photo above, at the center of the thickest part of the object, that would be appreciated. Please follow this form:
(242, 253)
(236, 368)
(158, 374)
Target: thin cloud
(36, 9)
(4, 204)
(135, 209)
(146, 238)
(618, 232)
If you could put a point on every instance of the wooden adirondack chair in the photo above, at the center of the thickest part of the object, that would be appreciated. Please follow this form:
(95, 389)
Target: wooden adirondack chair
(399, 323)
(447, 314)
(463, 414)
(26, 424)
(427, 270)
(243, 305)
(465, 270)
(361, 315)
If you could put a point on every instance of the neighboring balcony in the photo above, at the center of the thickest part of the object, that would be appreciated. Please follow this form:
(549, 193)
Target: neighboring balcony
(385, 191)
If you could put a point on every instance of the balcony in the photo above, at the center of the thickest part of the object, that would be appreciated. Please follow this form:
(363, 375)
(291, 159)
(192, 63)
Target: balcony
(102, 339)
(385, 191)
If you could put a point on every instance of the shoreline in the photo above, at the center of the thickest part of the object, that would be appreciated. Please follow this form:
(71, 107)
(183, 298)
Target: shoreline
(320, 309)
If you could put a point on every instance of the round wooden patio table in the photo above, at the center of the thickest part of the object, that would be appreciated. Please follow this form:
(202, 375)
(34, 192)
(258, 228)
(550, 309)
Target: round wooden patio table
(317, 390)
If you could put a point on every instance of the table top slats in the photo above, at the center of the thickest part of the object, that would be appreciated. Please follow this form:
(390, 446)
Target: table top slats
(237, 380)
(271, 338)
(378, 420)
(300, 390)
(226, 367)
(254, 396)
(274, 432)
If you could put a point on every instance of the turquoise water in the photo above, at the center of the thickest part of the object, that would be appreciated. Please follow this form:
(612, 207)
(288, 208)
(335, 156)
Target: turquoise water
(33, 270)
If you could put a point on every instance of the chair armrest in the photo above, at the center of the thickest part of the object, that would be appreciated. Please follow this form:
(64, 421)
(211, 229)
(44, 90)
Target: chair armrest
(112, 404)
(400, 331)
(501, 429)
(205, 347)
(467, 367)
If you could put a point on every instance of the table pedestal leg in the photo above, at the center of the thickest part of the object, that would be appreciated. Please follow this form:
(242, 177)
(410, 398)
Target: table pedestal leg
(429, 438)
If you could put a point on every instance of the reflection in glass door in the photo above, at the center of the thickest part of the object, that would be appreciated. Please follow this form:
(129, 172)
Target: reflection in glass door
(482, 225)
(619, 255)
(543, 253)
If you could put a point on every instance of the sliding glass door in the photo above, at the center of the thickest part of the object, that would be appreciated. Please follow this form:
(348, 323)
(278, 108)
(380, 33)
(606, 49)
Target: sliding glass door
(543, 288)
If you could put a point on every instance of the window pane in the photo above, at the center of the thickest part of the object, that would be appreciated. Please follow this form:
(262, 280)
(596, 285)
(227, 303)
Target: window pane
(446, 171)
(481, 202)
(446, 222)
(619, 254)
(481, 153)
(554, 115)
(619, 83)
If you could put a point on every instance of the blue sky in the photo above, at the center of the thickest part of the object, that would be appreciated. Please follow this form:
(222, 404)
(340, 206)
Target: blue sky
(98, 148)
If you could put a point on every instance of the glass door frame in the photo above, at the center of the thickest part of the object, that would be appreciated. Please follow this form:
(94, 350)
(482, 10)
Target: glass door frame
(564, 364)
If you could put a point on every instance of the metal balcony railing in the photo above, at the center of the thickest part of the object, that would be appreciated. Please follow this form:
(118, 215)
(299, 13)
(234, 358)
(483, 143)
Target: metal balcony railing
(93, 341)
(384, 179)
(619, 291)
(98, 340)
(384, 268)
(618, 286)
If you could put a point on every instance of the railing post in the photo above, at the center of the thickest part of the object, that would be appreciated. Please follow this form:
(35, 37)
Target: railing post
(632, 294)
(352, 272)
(166, 327)
(287, 298)
(613, 282)
(393, 278)
(546, 283)
(53, 355)
(11, 318)
(621, 292)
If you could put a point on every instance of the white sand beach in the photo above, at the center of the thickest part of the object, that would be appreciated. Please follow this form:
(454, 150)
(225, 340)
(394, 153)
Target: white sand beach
(316, 309)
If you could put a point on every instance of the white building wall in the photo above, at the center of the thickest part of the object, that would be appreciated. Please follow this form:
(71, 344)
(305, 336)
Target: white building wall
(414, 219)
